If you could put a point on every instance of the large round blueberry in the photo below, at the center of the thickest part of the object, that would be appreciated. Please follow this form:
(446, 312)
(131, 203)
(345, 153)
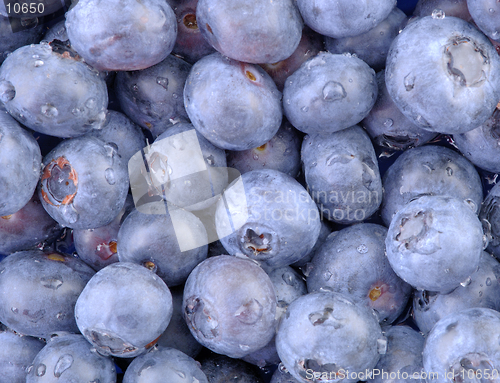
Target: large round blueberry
(234, 105)
(255, 32)
(443, 74)
(486, 15)
(50, 90)
(269, 217)
(123, 309)
(329, 92)
(230, 305)
(435, 243)
(122, 35)
(325, 333)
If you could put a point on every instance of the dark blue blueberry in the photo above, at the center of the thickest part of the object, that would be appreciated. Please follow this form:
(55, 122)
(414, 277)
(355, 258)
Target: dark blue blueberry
(96, 31)
(282, 152)
(234, 105)
(429, 170)
(230, 305)
(486, 15)
(123, 309)
(443, 74)
(164, 363)
(373, 45)
(153, 97)
(342, 174)
(328, 93)
(388, 127)
(47, 286)
(435, 243)
(490, 213)
(325, 334)
(269, 217)
(352, 261)
(21, 160)
(57, 32)
(52, 92)
(344, 18)
(68, 358)
(257, 32)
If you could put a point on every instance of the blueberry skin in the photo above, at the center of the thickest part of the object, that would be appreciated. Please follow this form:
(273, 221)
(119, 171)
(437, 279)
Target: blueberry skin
(344, 18)
(52, 92)
(137, 311)
(482, 290)
(449, 7)
(490, 212)
(329, 92)
(160, 363)
(220, 368)
(230, 305)
(260, 32)
(404, 355)
(57, 32)
(10, 41)
(282, 152)
(71, 358)
(21, 161)
(465, 98)
(388, 127)
(326, 332)
(352, 261)
(234, 105)
(485, 15)
(269, 218)
(95, 183)
(463, 343)
(153, 97)
(435, 243)
(27, 228)
(342, 174)
(100, 38)
(16, 355)
(324, 232)
(47, 286)
(480, 145)
(429, 170)
(119, 130)
(372, 46)
(151, 240)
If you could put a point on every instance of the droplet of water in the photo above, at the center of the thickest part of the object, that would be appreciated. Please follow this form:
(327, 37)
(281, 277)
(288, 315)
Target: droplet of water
(14, 310)
(314, 164)
(466, 282)
(305, 109)
(210, 159)
(38, 63)
(327, 275)
(382, 346)
(40, 370)
(62, 365)
(333, 91)
(91, 103)
(52, 283)
(109, 174)
(362, 249)
(244, 347)
(488, 281)
(162, 81)
(77, 111)
(7, 91)
(326, 289)
(288, 278)
(255, 157)
(449, 171)
(409, 82)
(447, 271)
(491, 10)
(181, 374)
(388, 123)
(69, 213)
(49, 110)
(438, 14)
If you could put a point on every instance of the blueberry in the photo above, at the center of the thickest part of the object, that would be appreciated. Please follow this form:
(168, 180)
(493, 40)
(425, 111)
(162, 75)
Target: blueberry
(70, 358)
(342, 174)
(47, 286)
(234, 105)
(136, 311)
(257, 32)
(21, 162)
(490, 213)
(324, 335)
(57, 32)
(230, 305)
(485, 14)
(352, 261)
(463, 346)
(435, 243)
(153, 97)
(96, 31)
(269, 217)
(453, 54)
(344, 18)
(429, 170)
(448, 7)
(79, 179)
(50, 90)
(328, 93)
(220, 369)
(482, 290)
(160, 363)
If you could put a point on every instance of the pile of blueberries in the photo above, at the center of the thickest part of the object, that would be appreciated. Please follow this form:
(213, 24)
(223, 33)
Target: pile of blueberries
(250, 191)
